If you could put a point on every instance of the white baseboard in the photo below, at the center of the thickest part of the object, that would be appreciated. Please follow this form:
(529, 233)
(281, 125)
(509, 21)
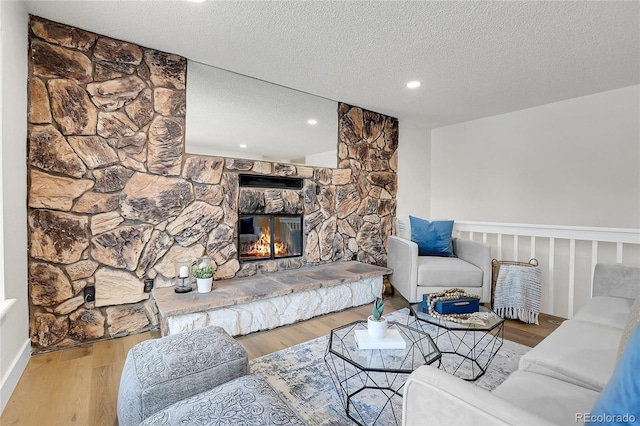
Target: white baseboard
(10, 380)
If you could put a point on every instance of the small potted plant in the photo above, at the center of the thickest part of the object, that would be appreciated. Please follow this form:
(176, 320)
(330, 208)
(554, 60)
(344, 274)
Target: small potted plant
(376, 323)
(204, 273)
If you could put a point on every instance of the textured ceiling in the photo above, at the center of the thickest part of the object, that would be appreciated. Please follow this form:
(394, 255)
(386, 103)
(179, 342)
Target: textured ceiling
(474, 59)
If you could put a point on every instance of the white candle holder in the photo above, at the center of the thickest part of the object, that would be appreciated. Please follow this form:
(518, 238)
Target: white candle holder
(182, 275)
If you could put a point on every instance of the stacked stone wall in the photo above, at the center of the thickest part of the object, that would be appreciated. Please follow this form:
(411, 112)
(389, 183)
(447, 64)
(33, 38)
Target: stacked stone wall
(113, 198)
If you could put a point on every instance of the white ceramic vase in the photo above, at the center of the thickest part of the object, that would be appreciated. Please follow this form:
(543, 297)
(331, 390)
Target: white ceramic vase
(204, 284)
(377, 329)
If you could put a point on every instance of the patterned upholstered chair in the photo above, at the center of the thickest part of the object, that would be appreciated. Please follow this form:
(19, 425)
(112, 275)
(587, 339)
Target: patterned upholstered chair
(196, 377)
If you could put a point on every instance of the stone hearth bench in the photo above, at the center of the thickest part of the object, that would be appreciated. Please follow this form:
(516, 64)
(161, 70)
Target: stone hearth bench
(264, 301)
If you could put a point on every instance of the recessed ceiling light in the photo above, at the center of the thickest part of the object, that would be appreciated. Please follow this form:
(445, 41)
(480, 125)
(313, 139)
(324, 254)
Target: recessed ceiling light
(413, 84)
(312, 122)
(242, 145)
(197, 1)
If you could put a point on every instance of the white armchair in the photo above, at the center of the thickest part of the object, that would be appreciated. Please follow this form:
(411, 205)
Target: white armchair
(415, 275)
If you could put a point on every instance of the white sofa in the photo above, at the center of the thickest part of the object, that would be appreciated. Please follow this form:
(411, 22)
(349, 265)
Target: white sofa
(415, 275)
(559, 378)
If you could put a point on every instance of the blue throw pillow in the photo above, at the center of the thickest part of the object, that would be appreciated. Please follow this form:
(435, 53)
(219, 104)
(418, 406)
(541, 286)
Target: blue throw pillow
(619, 402)
(433, 238)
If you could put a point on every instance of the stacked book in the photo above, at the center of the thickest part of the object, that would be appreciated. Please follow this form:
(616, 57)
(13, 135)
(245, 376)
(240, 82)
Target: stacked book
(392, 340)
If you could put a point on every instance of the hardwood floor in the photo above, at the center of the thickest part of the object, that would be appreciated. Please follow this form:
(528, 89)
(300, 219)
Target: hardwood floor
(79, 386)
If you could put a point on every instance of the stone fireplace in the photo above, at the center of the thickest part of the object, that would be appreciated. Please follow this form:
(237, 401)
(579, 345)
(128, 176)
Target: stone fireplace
(114, 199)
(269, 236)
(270, 210)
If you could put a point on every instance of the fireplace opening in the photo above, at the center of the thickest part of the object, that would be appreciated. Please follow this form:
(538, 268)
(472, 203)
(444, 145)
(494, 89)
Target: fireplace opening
(269, 236)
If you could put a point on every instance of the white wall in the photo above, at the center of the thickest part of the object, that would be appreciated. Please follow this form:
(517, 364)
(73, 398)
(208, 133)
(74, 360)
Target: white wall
(574, 162)
(14, 326)
(414, 181)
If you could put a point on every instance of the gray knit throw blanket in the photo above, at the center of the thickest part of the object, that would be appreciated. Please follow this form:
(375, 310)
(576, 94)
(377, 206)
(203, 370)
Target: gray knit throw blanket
(517, 293)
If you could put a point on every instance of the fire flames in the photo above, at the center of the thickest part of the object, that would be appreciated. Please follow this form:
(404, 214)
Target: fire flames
(262, 246)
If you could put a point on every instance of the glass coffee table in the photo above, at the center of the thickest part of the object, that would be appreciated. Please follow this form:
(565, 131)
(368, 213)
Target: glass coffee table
(473, 345)
(369, 382)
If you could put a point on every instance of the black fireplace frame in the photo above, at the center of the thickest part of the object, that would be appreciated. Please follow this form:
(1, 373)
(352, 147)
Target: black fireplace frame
(272, 217)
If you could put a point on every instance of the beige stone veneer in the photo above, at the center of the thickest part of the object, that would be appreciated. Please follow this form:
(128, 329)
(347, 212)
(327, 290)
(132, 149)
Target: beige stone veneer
(113, 198)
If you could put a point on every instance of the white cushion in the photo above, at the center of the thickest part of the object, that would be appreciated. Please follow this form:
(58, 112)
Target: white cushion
(435, 397)
(579, 352)
(436, 271)
(605, 310)
(549, 398)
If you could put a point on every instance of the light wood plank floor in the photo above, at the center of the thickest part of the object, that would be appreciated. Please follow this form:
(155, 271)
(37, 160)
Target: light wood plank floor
(79, 386)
